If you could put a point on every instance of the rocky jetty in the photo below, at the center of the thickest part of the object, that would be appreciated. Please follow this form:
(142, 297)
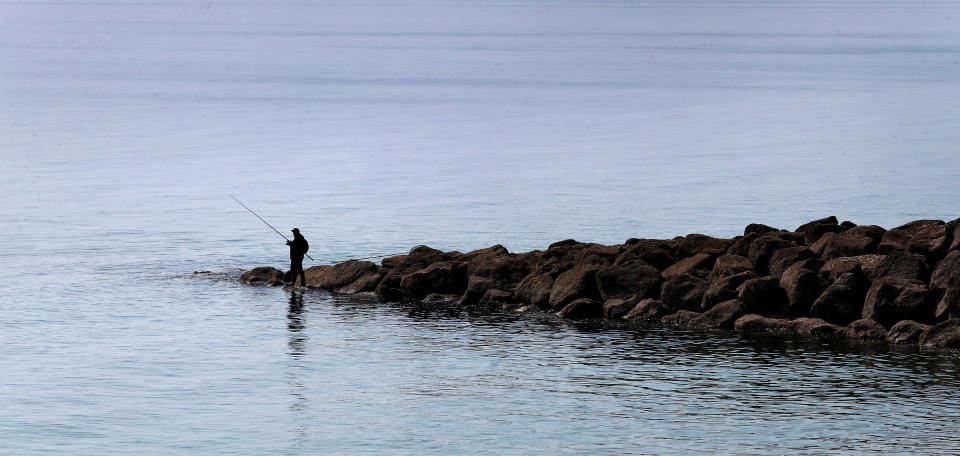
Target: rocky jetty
(827, 278)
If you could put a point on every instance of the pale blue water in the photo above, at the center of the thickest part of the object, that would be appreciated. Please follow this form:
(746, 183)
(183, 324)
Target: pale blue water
(375, 126)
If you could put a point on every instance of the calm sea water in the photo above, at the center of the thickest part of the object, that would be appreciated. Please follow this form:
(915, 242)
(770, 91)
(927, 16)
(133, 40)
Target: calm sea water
(374, 126)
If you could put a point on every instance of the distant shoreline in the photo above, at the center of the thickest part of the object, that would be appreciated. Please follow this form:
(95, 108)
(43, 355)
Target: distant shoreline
(864, 282)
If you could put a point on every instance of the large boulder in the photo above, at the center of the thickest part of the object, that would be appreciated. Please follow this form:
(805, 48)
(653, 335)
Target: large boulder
(419, 257)
(582, 308)
(722, 315)
(948, 306)
(741, 245)
(649, 310)
(342, 275)
(728, 265)
(891, 299)
(848, 243)
(698, 265)
(837, 267)
(502, 272)
(759, 229)
(654, 252)
(624, 280)
(762, 294)
(786, 257)
(947, 273)
(906, 332)
(817, 327)
(931, 242)
(897, 263)
(842, 301)
(681, 318)
(535, 290)
(577, 283)
(763, 248)
(444, 277)
(866, 329)
(263, 275)
(616, 308)
(724, 289)
(683, 292)
(812, 231)
(802, 286)
(497, 299)
(945, 334)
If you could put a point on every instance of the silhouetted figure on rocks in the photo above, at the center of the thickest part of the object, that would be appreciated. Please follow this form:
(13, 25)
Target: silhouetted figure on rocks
(298, 248)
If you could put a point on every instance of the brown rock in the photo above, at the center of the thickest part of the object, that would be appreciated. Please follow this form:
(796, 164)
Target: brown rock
(763, 248)
(906, 332)
(947, 273)
(945, 334)
(582, 308)
(762, 294)
(654, 252)
(741, 245)
(698, 265)
(441, 277)
(845, 244)
(897, 263)
(682, 318)
(634, 278)
(579, 282)
(693, 244)
(786, 257)
(728, 265)
(419, 257)
(759, 229)
(616, 308)
(436, 298)
(724, 289)
(754, 322)
(263, 275)
(890, 300)
(932, 242)
(817, 327)
(894, 239)
(842, 301)
(535, 290)
(343, 274)
(838, 266)
(949, 305)
(495, 250)
(497, 299)
(812, 231)
(648, 310)
(318, 276)
(363, 284)
(802, 287)
(683, 292)
(866, 329)
(722, 315)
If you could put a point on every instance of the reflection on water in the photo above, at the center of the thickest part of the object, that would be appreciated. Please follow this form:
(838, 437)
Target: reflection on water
(297, 342)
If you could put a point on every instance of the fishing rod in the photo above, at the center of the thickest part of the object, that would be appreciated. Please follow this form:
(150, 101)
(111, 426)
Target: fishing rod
(265, 223)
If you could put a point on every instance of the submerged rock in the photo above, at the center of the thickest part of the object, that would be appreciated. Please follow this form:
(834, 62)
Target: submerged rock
(263, 275)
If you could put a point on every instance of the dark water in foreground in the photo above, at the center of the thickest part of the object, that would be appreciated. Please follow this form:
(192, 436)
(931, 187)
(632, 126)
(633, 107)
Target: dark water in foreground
(204, 366)
(377, 125)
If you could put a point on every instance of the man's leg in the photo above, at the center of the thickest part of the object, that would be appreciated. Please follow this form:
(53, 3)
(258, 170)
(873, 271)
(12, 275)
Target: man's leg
(303, 277)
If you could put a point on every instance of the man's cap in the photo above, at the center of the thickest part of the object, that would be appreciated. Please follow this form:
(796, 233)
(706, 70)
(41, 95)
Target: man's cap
(296, 230)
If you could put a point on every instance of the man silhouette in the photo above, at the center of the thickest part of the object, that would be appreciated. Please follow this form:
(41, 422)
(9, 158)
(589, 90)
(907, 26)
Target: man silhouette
(298, 248)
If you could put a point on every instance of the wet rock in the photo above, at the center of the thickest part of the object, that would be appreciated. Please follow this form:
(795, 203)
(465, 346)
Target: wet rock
(754, 322)
(931, 242)
(759, 229)
(616, 308)
(763, 248)
(945, 334)
(683, 292)
(947, 273)
(906, 332)
(866, 329)
(948, 306)
(438, 298)
(817, 327)
(842, 301)
(812, 231)
(649, 310)
(625, 280)
(890, 300)
(682, 318)
(441, 277)
(802, 287)
(582, 308)
(724, 289)
(693, 244)
(363, 284)
(786, 257)
(502, 272)
(722, 315)
(497, 299)
(698, 265)
(535, 290)
(579, 282)
(728, 265)
(263, 275)
(762, 294)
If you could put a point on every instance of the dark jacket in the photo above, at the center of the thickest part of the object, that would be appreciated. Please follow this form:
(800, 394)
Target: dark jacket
(298, 247)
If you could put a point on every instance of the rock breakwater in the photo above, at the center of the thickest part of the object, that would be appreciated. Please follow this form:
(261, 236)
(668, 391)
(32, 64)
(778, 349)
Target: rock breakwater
(901, 285)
